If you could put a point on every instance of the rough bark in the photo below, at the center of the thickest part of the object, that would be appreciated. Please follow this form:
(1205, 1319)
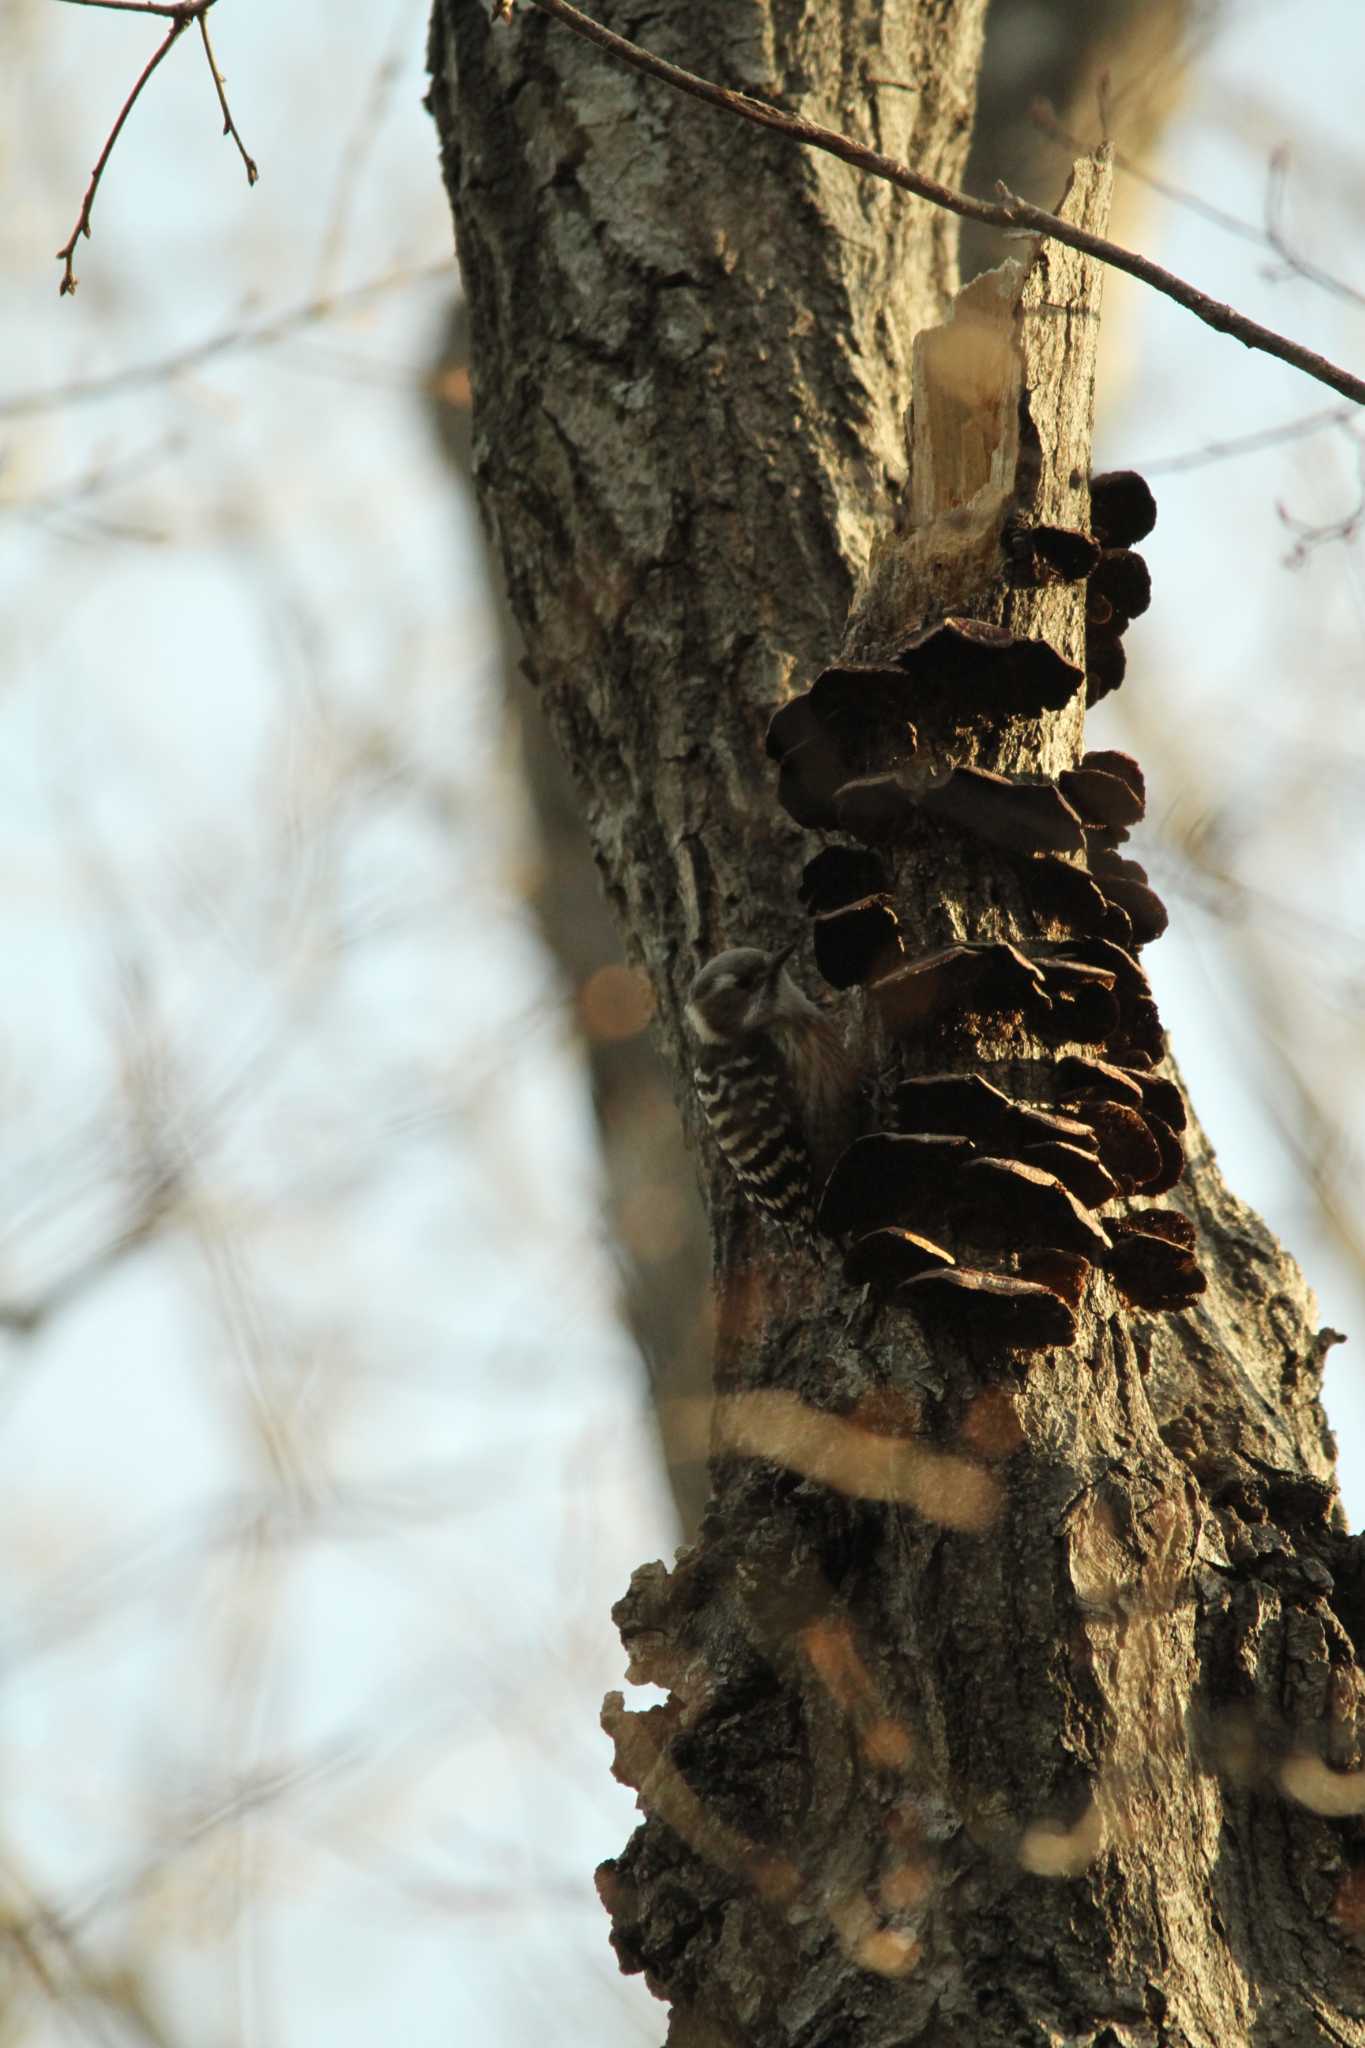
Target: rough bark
(1009, 1700)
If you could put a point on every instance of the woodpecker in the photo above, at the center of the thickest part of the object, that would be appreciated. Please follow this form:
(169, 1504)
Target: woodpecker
(774, 1080)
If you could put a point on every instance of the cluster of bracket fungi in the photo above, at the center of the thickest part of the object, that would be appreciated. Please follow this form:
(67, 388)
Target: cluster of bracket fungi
(1021, 1100)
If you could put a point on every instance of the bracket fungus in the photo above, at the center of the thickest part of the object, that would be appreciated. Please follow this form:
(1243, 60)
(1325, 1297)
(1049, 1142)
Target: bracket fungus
(888, 1257)
(974, 1107)
(1122, 508)
(975, 1201)
(887, 1178)
(1008, 1206)
(810, 765)
(1119, 589)
(1081, 1079)
(1107, 791)
(964, 981)
(856, 941)
(1083, 1172)
(877, 809)
(1066, 897)
(1004, 1310)
(1024, 815)
(1040, 554)
(1151, 1260)
(840, 875)
(1106, 664)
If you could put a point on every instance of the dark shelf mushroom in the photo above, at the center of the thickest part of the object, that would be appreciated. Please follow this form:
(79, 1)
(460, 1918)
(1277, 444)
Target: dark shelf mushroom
(1085, 1004)
(874, 808)
(1127, 1147)
(1151, 1270)
(991, 980)
(839, 875)
(1122, 582)
(1065, 895)
(1004, 1204)
(1141, 1033)
(1049, 554)
(810, 764)
(970, 669)
(857, 941)
(1122, 508)
(1064, 1272)
(1103, 800)
(1129, 975)
(974, 1107)
(865, 706)
(1111, 761)
(999, 1309)
(1139, 902)
(1023, 816)
(1075, 1167)
(886, 1258)
(1172, 1155)
(1092, 1080)
(1164, 1099)
(1171, 1224)
(1106, 664)
(888, 1179)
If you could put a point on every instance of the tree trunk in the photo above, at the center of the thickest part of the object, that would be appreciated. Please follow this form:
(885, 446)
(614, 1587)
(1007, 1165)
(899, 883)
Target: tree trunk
(1012, 1693)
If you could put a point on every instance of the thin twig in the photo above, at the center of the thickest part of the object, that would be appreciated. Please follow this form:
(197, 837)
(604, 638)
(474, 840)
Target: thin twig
(1299, 265)
(1009, 213)
(66, 254)
(361, 141)
(169, 10)
(1249, 444)
(1269, 237)
(24, 404)
(229, 125)
(180, 13)
(93, 482)
(1345, 528)
(1044, 117)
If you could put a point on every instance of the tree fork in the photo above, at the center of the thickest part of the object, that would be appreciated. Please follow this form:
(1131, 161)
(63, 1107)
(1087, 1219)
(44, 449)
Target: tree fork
(1012, 1694)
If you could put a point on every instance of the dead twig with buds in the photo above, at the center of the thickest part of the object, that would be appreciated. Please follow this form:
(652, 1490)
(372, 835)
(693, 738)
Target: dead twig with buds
(180, 14)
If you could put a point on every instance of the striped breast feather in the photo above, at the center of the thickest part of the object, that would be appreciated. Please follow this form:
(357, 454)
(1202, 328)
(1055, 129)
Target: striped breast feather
(749, 1106)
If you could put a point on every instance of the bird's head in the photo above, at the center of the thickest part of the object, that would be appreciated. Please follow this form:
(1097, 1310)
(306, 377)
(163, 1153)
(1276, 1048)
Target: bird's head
(742, 991)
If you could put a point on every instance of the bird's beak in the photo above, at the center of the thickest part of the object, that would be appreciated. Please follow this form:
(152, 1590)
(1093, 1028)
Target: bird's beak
(779, 960)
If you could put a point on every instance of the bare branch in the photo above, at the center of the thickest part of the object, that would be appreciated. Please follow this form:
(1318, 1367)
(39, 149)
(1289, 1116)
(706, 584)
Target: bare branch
(360, 142)
(1309, 536)
(169, 10)
(66, 253)
(1271, 236)
(1251, 444)
(279, 327)
(180, 13)
(1009, 213)
(229, 125)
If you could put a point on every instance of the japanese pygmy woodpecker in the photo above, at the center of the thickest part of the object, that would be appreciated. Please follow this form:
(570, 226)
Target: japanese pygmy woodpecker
(773, 1077)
